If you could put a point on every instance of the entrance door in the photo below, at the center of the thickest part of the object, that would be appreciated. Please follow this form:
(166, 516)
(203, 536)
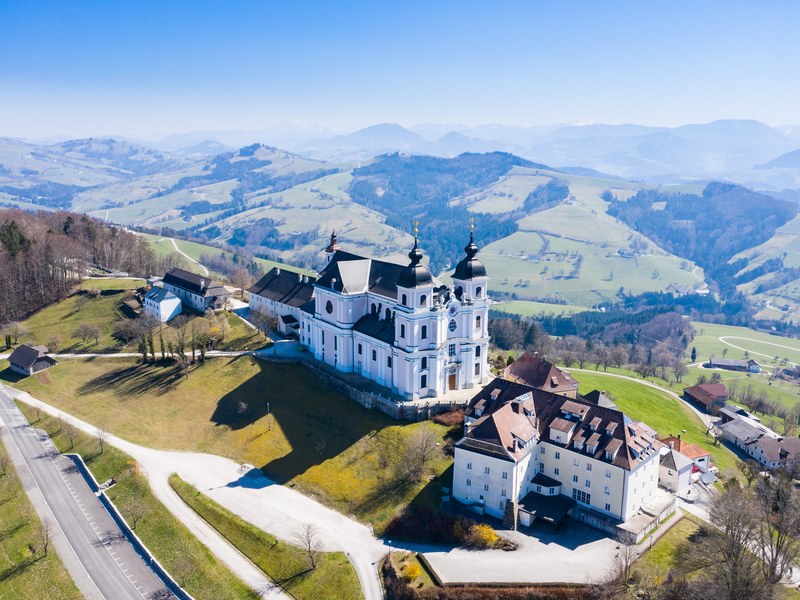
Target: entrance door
(451, 381)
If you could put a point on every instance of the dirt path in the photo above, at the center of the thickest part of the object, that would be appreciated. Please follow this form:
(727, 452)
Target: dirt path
(182, 253)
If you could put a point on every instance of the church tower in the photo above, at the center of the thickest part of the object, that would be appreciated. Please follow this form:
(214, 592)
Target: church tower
(332, 248)
(470, 287)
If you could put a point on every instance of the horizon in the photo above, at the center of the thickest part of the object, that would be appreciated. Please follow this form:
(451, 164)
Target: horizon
(144, 70)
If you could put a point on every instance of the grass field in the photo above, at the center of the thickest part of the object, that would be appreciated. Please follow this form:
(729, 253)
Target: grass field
(25, 572)
(296, 428)
(532, 309)
(287, 565)
(762, 347)
(185, 558)
(60, 320)
(665, 414)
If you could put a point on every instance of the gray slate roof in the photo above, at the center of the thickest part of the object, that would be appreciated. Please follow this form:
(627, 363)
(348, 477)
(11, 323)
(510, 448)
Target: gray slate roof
(159, 294)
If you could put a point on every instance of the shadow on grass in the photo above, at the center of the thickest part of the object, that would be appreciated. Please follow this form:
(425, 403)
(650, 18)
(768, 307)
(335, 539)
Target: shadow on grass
(6, 533)
(318, 422)
(11, 376)
(136, 379)
(18, 568)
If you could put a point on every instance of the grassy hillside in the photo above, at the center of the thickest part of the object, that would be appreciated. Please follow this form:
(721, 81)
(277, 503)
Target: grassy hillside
(294, 427)
(25, 572)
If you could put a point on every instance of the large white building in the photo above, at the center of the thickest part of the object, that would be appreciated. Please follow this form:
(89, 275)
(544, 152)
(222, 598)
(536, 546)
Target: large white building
(393, 323)
(539, 455)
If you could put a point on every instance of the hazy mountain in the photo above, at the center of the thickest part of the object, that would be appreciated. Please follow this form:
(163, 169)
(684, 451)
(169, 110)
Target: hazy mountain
(789, 160)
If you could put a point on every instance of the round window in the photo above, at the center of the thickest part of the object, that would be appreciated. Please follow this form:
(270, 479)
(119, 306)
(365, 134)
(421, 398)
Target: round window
(452, 325)
(329, 306)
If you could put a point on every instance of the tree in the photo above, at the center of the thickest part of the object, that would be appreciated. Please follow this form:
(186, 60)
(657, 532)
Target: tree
(86, 332)
(264, 322)
(16, 330)
(694, 354)
(53, 343)
(750, 468)
(44, 535)
(724, 352)
(69, 431)
(482, 536)
(421, 448)
(136, 509)
(778, 524)
(4, 463)
(101, 437)
(307, 537)
(679, 369)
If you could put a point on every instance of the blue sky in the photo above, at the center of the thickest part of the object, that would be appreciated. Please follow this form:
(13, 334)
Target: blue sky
(145, 67)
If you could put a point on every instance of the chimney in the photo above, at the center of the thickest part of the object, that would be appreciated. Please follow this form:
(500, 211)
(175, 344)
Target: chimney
(277, 271)
(202, 284)
(671, 444)
(300, 277)
(495, 393)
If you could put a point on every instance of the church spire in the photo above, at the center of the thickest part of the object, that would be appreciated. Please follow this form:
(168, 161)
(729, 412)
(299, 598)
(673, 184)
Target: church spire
(416, 254)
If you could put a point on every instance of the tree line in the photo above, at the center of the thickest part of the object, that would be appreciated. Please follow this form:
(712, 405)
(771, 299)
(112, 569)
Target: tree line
(43, 255)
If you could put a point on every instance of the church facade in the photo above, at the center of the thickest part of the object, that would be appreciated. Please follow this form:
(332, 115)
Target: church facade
(396, 324)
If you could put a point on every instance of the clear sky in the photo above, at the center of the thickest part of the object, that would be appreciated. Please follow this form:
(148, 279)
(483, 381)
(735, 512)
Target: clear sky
(141, 67)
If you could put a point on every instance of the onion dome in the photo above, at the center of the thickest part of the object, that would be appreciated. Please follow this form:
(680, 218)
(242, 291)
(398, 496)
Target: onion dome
(469, 267)
(333, 246)
(415, 274)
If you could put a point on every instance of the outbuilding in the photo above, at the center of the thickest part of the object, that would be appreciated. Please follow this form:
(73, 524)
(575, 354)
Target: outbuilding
(27, 360)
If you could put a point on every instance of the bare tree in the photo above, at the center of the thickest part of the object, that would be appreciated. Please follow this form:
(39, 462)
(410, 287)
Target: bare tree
(16, 330)
(69, 431)
(4, 464)
(101, 437)
(86, 332)
(679, 369)
(44, 535)
(751, 469)
(307, 537)
(779, 524)
(136, 509)
(420, 449)
(53, 343)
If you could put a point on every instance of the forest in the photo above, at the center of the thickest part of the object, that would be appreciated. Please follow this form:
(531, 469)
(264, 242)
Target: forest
(709, 229)
(43, 255)
(406, 188)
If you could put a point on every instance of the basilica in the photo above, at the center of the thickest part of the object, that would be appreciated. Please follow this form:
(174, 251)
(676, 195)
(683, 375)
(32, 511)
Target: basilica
(393, 323)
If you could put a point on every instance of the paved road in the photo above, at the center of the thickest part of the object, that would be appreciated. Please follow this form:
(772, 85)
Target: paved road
(111, 563)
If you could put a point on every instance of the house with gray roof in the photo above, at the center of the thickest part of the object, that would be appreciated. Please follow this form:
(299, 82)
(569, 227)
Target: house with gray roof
(161, 304)
(27, 360)
(197, 292)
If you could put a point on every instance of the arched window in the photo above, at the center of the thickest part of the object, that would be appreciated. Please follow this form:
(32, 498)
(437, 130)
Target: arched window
(373, 308)
(423, 300)
(388, 314)
(478, 291)
(404, 300)
(424, 364)
(478, 322)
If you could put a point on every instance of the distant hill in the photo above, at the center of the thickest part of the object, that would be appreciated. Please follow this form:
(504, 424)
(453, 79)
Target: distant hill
(789, 160)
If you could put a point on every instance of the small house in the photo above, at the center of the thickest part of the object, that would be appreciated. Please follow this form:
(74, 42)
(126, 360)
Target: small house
(195, 291)
(27, 360)
(675, 470)
(701, 458)
(733, 364)
(161, 304)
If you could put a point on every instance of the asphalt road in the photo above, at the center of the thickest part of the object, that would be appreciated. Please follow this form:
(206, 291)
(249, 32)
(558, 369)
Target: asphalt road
(115, 568)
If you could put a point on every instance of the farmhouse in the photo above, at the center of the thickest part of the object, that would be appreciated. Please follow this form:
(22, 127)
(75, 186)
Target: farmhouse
(393, 323)
(195, 291)
(732, 364)
(27, 360)
(761, 443)
(713, 396)
(525, 447)
(699, 457)
(532, 370)
(161, 304)
(282, 293)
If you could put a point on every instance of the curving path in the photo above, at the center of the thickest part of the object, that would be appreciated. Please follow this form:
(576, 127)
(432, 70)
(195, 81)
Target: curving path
(724, 339)
(705, 418)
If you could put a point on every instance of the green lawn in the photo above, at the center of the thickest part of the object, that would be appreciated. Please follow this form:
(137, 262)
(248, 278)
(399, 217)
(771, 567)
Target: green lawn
(287, 565)
(25, 572)
(532, 309)
(293, 426)
(665, 414)
(763, 347)
(185, 558)
(112, 284)
(665, 554)
(60, 320)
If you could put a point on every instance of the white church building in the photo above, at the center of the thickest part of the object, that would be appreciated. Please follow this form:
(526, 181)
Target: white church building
(393, 323)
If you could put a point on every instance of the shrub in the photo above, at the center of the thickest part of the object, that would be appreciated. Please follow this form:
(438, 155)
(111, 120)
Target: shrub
(412, 571)
(452, 418)
(482, 536)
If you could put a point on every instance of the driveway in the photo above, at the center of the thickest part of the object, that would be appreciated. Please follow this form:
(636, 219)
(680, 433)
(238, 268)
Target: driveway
(575, 554)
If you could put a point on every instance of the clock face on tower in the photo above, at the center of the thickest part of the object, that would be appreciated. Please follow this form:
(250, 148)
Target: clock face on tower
(452, 309)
